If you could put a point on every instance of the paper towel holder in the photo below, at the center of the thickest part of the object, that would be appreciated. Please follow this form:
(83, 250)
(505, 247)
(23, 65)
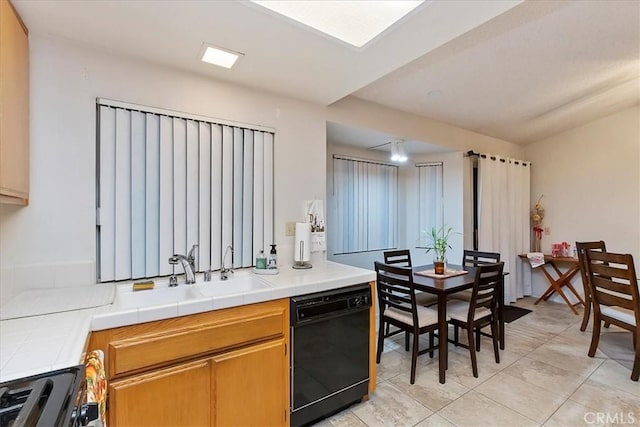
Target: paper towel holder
(302, 246)
(301, 265)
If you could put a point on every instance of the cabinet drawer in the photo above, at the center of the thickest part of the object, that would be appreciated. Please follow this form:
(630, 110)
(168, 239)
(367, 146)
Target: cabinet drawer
(164, 347)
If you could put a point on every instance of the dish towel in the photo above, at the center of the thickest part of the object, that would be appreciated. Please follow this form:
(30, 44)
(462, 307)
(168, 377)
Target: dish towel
(97, 384)
(536, 259)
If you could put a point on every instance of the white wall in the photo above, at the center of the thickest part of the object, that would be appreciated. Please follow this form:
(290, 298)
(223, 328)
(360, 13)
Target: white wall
(52, 241)
(590, 178)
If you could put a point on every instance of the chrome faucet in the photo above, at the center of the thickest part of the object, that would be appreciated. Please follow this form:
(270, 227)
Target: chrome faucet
(188, 263)
(224, 272)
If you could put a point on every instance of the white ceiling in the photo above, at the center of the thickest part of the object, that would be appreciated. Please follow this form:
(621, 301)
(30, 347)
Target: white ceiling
(518, 71)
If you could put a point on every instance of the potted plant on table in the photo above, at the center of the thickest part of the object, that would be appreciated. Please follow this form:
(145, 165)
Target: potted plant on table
(439, 243)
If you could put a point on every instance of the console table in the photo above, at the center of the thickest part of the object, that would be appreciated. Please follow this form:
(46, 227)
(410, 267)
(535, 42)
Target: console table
(562, 280)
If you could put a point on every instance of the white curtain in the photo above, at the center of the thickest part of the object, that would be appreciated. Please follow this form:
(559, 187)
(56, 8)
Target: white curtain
(167, 181)
(503, 216)
(430, 208)
(366, 195)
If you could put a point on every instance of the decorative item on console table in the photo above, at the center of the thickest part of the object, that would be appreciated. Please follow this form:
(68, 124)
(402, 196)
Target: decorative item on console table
(440, 242)
(537, 215)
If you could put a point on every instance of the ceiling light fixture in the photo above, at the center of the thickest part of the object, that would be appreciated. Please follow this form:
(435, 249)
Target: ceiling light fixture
(356, 22)
(219, 56)
(397, 152)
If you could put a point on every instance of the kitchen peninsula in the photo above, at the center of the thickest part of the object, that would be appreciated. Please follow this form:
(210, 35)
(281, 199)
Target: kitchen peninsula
(252, 325)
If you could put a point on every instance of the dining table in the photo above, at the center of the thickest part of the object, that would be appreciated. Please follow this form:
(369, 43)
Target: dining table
(443, 287)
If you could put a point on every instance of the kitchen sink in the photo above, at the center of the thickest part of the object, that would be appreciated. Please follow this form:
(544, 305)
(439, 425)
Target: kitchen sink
(161, 294)
(238, 282)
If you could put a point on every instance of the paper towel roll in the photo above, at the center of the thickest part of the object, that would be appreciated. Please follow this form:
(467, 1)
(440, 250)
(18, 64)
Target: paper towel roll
(302, 244)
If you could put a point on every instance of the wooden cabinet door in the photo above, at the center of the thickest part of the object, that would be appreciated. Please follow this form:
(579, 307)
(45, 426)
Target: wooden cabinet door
(250, 386)
(177, 396)
(14, 107)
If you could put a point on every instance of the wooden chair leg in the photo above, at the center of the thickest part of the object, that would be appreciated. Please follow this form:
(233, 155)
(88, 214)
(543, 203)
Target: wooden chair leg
(587, 311)
(380, 340)
(414, 357)
(456, 337)
(595, 335)
(494, 336)
(478, 335)
(431, 344)
(635, 372)
(406, 341)
(472, 351)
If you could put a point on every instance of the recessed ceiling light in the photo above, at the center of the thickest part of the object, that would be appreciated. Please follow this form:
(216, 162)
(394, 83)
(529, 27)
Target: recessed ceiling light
(353, 21)
(218, 56)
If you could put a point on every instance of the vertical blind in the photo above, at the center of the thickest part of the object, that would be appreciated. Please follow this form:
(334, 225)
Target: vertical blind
(430, 200)
(366, 195)
(168, 181)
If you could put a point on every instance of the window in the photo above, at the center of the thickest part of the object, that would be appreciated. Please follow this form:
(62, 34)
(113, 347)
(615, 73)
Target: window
(167, 180)
(430, 203)
(366, 198)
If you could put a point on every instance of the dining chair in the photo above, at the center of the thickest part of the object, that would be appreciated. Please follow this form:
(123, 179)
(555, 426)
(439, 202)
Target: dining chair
(402, 258)
(581, 248)
(615, 299)
(479, 312)
(398, 306)
(474, 259)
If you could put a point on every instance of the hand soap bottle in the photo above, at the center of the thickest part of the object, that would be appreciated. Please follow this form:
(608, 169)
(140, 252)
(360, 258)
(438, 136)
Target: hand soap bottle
(261, 261)
(272, 262)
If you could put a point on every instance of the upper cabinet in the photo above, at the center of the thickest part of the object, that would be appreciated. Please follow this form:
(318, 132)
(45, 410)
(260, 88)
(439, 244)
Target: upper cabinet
(14, 107)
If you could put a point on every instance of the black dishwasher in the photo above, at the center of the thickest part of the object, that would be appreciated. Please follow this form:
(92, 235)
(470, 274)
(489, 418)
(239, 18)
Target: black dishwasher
(330, 351)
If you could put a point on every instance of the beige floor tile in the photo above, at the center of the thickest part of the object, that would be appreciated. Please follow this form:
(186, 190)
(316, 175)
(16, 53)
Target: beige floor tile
(520, 345)
(388, 406)
(435, 420)
(525, 398)
(613, 374)
(427, 388)
(564, 357)
(608, 400)
(393, 363)
(556, 380)
(572, 414)
(475, 409)
(343, 419)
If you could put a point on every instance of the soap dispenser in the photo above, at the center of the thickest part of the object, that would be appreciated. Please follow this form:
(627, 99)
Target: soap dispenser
(261, 261)
(272, 262)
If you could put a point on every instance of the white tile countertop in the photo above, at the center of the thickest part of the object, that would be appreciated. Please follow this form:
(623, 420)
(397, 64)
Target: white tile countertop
(40, 343)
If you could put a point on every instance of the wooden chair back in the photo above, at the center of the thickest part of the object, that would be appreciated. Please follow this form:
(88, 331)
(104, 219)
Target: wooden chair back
(400, 257)
(486, 289)
(614, 286)
(396, 290)
(613, 282)
(477, 258)
(581, 249)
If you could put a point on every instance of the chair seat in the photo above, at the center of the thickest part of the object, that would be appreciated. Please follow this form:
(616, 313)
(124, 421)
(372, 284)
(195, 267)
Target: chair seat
(619, 313)
(425, 298)
(459, 310)
(426, 316)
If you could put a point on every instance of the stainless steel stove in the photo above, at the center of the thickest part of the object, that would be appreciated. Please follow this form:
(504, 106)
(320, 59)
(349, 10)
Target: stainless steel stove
(50, 399)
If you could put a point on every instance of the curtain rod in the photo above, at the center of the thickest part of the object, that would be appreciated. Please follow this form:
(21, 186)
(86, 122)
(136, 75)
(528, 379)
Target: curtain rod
(472, 153)
(356, 159)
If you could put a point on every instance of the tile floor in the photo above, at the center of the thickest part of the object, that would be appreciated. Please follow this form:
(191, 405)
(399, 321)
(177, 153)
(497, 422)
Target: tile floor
(544, 378)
